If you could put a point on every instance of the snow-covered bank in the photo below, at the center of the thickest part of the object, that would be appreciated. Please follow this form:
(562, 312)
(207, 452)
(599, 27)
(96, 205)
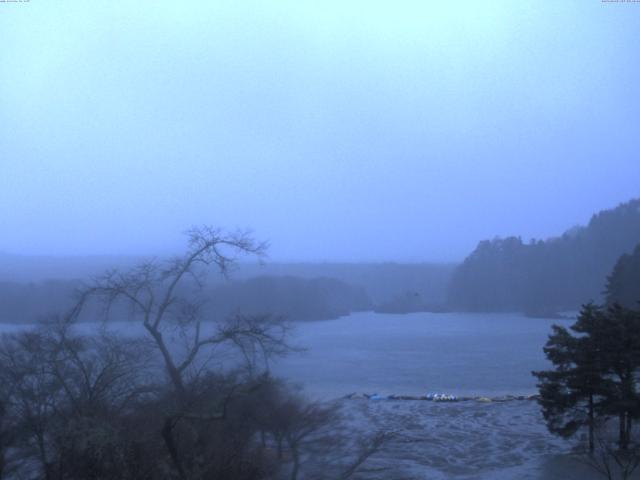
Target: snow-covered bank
(463, 440)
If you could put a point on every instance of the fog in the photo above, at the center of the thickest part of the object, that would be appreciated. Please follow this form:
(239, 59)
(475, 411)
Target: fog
(357, 240)
(367, 131)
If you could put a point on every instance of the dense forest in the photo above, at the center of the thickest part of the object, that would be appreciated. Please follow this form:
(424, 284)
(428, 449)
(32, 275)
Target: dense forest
(33, 287)
(541, 277)
(623, 285)
(290, 297)
(383, 282)
(503, 274)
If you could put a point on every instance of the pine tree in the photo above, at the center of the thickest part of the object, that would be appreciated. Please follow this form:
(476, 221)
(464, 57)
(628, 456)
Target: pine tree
(573, 392)
(620, 336)
(623, 285)
(596, 366)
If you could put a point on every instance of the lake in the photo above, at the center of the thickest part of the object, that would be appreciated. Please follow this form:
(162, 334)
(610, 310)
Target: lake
(458, 353)
(413, 354)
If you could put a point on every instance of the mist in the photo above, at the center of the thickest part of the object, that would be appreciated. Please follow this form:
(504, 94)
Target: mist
(363, 240)
(363, 132)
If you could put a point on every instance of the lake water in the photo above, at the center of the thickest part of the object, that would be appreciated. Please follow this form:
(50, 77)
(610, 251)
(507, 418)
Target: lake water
(458, 353)
(462, 354)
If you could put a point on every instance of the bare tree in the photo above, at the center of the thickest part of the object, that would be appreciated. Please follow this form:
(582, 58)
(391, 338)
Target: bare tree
(311, 439)
(77, 407)
(609, 459)
(167, 294)
(94, 406)
(63, 396)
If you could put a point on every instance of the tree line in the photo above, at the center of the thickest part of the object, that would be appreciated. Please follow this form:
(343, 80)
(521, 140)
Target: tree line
(161, 406)
(293, 297)
(593, 384)
(541, 277)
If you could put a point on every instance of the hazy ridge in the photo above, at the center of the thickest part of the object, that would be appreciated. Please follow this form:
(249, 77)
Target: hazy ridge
(543, 276)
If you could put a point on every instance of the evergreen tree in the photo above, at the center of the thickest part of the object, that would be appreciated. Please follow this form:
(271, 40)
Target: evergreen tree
(620, 335)
(596, 366)
(623, 285)
(541, 277)
(572, 393)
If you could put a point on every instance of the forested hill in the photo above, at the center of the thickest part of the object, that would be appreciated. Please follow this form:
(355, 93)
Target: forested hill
(383, 282)
(545, 276)
(623, 285)
(292, 297)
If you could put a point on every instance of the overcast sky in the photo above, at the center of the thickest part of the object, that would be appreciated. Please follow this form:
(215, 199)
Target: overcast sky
(356, 130)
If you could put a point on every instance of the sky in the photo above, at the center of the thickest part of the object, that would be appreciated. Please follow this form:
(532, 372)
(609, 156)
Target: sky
(338, 131)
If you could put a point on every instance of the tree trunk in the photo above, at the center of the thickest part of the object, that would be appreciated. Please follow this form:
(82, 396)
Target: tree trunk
(296, 463)
(172, 370)
(295, 457)
(628, 429)
(591, 422)
(2, 459)
(622, 437)
(167, 435)
(46, 465)
(279, 443)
